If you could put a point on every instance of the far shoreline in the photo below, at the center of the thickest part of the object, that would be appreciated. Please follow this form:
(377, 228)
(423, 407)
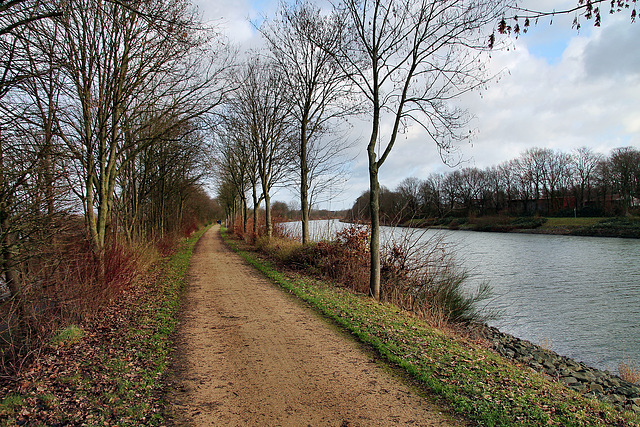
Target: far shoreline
(617, 227)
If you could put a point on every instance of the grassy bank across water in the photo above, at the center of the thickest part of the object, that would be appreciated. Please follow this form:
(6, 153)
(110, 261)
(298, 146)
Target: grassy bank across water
(109, 371)
(468, 378)
(628, 227)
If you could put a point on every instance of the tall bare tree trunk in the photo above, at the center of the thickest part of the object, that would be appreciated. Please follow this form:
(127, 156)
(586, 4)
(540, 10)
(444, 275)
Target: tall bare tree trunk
(304, 184)
(256, 207)
(245, 215)
(267, 215)
(374, 210)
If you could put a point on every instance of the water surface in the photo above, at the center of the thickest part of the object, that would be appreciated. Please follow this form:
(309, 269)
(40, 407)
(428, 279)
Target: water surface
(579, 296)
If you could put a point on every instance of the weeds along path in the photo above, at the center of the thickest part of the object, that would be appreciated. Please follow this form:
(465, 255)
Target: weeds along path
(251, 355)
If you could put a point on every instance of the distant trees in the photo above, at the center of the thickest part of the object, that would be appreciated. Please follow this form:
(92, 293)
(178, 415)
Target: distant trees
(584, 166)
(259, 115)
(133, 79)
(623, 169)
(540, 181)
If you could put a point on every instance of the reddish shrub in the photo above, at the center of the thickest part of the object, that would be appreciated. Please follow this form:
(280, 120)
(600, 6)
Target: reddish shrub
(188, 228)
(346, 259)
(166, 245)
(65, 285)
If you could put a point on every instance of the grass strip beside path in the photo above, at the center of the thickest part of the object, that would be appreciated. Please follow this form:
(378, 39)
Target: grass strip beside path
(111, 372)
(473, 381)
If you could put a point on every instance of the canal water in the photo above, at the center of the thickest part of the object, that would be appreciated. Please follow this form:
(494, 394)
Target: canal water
(578, 296)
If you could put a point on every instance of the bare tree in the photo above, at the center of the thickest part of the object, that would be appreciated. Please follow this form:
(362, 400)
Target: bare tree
(16, 16)
(556, 172)
(587, 9)
(409, 193)
(585, 162)
(31, 165)
(508, 181)
(531, 172)
(234, 161)
(264, 111)
(624, 173)
(122, 72)
(318, 89)
(154, 182)
(410, 59)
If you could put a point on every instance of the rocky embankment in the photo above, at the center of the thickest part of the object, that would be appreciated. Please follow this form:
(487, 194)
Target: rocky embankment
(589, 381)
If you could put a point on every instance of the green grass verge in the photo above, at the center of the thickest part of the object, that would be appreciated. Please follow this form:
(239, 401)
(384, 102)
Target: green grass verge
(570, 222)
(471, 380)
(612, 227)
(135, 398)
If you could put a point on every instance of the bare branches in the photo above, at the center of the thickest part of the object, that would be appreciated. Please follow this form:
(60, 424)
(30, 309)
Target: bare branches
(410, 59)
(588, 9)
(301, 41)
(261, 107)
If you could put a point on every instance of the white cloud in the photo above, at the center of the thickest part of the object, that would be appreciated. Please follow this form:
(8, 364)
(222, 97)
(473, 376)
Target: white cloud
(562, 105)
(231, 18)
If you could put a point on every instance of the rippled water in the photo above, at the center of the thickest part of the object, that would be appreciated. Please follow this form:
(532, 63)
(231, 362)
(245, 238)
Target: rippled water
(579, 296)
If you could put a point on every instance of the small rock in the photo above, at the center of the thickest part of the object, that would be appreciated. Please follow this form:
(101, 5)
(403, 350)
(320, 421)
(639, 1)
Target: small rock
(625, 390)
(596, 387)
(613, 382)
(584, 376)
(566, 372)
(579, 387)
(615, 399)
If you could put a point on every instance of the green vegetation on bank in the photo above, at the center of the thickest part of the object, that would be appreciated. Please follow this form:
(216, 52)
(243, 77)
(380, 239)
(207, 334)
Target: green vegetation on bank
(596, 226)
(108, 371)
(471, 380)
(611, 227)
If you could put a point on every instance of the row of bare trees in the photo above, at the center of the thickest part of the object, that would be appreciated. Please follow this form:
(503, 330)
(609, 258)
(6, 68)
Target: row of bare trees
(104, 111)
(279, 122)
(540, 181)
(400, 62)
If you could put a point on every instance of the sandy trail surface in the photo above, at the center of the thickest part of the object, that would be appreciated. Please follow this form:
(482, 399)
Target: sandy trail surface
(249, 354)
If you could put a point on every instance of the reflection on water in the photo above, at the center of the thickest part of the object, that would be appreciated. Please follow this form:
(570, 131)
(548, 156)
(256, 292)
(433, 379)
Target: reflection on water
(578, 295)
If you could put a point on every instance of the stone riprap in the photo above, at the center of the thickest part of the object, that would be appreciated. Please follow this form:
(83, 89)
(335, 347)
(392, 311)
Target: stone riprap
(589, 381)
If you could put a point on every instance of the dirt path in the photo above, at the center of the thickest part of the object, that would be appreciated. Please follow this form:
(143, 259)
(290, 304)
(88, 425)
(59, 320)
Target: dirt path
(251, 355)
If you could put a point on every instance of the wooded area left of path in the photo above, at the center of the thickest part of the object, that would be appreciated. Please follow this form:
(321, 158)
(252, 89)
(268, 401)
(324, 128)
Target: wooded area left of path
(251, 355)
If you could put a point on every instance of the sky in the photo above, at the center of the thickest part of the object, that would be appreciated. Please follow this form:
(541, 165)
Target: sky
(555, 88)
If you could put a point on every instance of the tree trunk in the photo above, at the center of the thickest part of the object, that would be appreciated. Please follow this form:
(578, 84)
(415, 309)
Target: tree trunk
(374, 211)
(267, 218)
(256, 207)
(304, 185)
(245, 215)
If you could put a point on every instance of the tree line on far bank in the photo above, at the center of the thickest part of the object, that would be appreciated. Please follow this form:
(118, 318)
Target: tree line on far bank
(541, 181)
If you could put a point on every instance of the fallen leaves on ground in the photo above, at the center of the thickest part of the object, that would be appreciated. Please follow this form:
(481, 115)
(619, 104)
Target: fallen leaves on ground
(105, 378)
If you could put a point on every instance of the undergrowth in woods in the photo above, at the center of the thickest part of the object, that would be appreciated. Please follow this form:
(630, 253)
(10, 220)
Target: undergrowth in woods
(108, 369)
